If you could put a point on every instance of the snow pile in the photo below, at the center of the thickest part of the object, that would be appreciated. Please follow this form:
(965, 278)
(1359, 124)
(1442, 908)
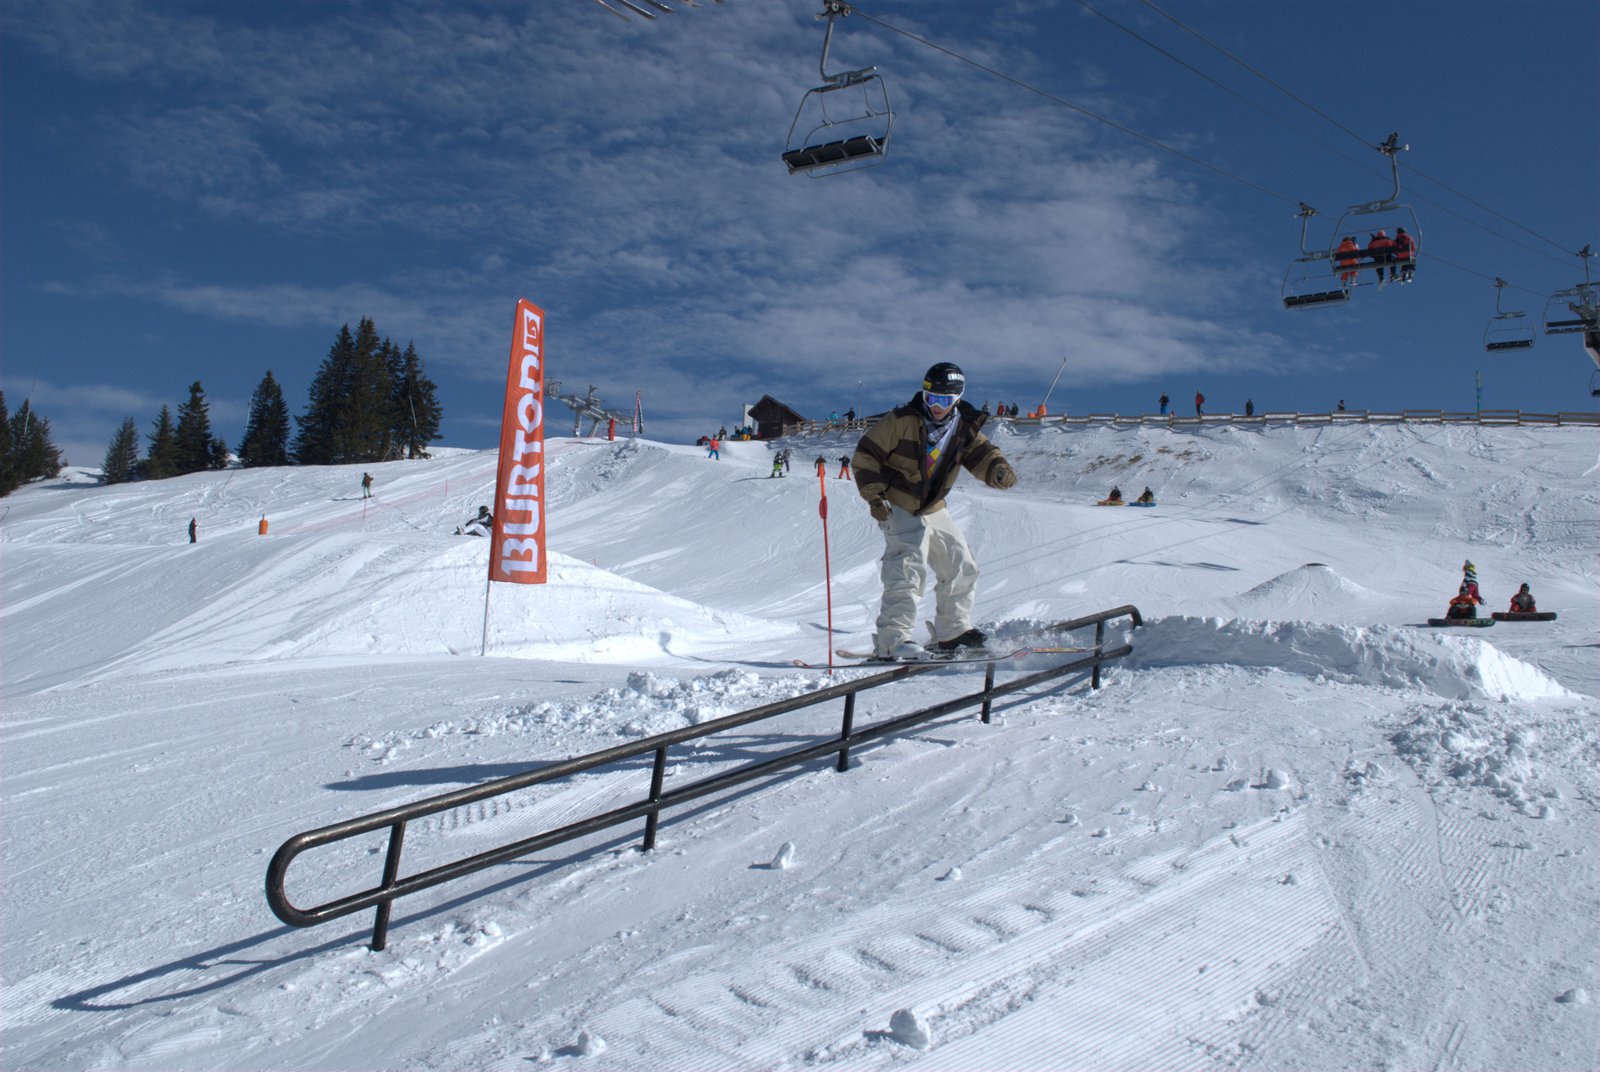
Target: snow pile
(648, 703)
(1303, 591)
(1454, 667)
(1521, 760)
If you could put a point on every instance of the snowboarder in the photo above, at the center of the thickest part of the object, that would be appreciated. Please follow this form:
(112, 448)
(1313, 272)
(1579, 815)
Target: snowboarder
(844, 469)
(481, 525)
(1463, 605)
(905, 465)
(777, 465)
(1115, 496)
(714, 448)
(1147, 496)
(1469, 578)
(366, 485)
(194, 531)
(1522, 602)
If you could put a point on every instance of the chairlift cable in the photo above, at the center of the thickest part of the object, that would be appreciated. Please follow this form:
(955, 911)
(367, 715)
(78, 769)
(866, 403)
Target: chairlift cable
(1324, 115)
(1047, 95)
(1225, 88)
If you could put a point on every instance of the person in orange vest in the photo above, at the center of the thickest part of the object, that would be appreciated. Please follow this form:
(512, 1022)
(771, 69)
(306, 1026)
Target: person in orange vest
(1347, 253)
(714, 449)
(1463, 605)
(1405, 255)
(1381, 247)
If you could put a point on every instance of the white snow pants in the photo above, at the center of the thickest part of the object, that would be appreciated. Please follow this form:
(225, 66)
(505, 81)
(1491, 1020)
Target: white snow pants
(912, 545)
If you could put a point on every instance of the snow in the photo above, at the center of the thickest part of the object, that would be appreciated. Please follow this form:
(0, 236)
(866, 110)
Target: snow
(1295, 829)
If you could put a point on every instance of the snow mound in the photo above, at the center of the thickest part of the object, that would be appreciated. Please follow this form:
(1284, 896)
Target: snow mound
(1453, 667)
(1465, 745)
(1310, 587)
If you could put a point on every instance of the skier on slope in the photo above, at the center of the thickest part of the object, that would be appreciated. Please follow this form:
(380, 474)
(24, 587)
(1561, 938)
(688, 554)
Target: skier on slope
(904, 467)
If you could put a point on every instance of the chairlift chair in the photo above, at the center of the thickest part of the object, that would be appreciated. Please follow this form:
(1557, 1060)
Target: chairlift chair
(844, 123)
(1307, 287)
(1576, 308)
(1508, 329)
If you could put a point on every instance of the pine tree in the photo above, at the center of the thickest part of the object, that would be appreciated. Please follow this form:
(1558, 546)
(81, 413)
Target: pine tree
(366, 430)
(34, 455)
(9, 481)
(162, 460)
(416, 406)
(347, 419)
(314, 445)
(266, 433)
(193, 433)
(122, 456)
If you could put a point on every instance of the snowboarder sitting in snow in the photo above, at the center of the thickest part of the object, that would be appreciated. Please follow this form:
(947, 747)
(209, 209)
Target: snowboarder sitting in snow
(481, 525)
(1147, 495)
(1522, 602)
(1469, 578)
(1464, 605)
(1115, 496)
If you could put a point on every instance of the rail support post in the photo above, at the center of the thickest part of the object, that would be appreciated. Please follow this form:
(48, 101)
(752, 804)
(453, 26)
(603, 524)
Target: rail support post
(844, 733)
(1099, 643)
(988, 691)
(391, 871)
(657, 776)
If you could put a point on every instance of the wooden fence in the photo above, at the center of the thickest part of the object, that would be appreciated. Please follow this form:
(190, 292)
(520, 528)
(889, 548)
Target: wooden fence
(1173, 420)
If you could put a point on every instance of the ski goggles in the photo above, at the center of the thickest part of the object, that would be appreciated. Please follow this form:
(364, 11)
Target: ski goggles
(939, 401)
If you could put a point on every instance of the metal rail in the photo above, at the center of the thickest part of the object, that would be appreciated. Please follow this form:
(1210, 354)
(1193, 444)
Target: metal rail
(658, 798)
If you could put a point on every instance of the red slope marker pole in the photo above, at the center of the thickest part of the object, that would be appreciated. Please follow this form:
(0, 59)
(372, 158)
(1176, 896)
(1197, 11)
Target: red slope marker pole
(827, 566)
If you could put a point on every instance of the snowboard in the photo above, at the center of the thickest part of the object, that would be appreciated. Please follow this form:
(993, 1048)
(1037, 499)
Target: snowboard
(1524, 615)
(1111, 502)
(1471, 623)
(1141, 504)
(966, 655)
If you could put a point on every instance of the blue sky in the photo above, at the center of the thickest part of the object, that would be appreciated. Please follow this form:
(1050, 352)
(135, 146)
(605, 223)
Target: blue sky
(205, 190)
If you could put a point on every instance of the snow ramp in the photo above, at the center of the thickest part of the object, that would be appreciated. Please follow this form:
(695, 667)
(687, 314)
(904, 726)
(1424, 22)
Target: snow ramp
(1395, 657)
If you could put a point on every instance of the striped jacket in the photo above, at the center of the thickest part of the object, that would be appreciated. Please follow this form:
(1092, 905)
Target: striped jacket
(888, 460)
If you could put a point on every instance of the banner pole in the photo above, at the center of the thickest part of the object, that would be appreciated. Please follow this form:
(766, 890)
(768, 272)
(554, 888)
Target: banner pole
(483, 648)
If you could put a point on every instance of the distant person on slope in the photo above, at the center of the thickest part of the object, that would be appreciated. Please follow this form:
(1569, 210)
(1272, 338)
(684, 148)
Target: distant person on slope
(1199, 401)
(366, 485)
(777, 465)
(844, 469)
(1164, 403)
(1522, 602)
(194, 530)
(904, 467)
(1147, 495)
(1115, 496)
(714, 448)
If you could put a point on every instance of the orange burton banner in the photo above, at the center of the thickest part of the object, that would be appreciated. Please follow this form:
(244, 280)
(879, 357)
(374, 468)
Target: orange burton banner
(518, 550)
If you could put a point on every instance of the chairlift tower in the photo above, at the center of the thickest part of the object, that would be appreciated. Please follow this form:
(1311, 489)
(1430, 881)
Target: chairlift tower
(588, 406)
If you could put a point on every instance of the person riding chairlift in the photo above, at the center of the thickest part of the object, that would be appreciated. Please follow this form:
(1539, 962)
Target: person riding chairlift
(1347, 254)
(1381, 247)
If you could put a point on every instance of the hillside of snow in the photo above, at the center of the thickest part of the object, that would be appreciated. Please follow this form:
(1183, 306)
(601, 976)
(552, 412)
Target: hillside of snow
(1296, 829)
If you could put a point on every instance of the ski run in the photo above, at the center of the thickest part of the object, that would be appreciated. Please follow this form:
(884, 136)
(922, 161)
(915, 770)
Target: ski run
(1296, 828)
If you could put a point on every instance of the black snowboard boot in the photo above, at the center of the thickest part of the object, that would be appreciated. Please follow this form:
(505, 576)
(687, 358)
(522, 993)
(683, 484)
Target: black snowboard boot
(972, 638)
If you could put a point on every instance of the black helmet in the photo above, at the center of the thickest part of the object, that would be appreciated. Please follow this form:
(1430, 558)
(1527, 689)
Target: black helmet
(945, 378)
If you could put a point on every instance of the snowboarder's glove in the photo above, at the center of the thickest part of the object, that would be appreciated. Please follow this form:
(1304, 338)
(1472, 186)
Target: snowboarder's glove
(880, 509)
(1002, 476)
